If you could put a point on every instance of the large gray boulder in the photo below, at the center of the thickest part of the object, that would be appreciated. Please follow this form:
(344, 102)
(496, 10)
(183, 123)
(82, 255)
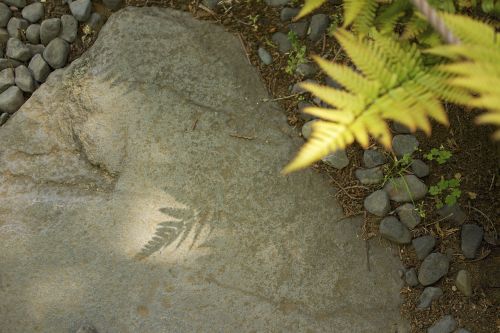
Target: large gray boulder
(143, 134)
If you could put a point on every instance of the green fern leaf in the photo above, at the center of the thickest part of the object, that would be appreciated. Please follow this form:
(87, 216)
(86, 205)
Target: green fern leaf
(309, 6)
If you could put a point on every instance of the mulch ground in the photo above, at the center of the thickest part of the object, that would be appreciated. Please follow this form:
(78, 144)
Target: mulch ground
(475, 158)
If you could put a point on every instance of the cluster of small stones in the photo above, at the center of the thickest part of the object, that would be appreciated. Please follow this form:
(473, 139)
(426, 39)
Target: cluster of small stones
(31, 47)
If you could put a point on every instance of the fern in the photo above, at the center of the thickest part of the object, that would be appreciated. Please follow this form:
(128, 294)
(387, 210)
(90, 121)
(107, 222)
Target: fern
(393, 84)
(309, 6)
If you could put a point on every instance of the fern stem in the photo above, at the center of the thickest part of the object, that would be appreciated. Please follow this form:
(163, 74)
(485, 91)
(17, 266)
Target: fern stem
(436, 21)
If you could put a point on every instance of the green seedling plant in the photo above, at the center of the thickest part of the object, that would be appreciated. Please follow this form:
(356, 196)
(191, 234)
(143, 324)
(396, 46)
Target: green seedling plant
(253, 19)
(398, 169)
(446, 191)
(297, 54)
(441, 155)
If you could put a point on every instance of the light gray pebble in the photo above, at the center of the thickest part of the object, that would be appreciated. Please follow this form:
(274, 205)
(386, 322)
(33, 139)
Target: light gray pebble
(392, 229)
(306, 70)
(369, 176)
(462, 330)
(56, 53)
(69, 28)
(429, 295)
(15, 26)
(8, 63)
(24, 79)
(300, 28)
(447, 324)
(281, 39)
(464, 282)
(288, 13)
(452, 213)
(471, 237)
(3, 118)
(277, 3)
(307, 128)
(411, 277)
(301, 106)
(408, 215)
(373, 158)
(33, 34)
(400, 128)
(433, 268)
(423, 246)
(7, 79)
(11, 99)
(49, 29)
(115, 4)
(337, 159)
(4, 37)
(404, 144)
(318, 26)
(36, 48)
(16, 3)
(94, 21)
(378, 203)
(265, 56)
(17, 50)
(33, 12)
(405, 189)
(5, 15)
(39, 67)
(81, 9)
(419, 168)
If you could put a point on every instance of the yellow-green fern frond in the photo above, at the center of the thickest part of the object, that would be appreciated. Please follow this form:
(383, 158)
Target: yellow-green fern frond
(388, 16)
(309, 6)
(363, 11)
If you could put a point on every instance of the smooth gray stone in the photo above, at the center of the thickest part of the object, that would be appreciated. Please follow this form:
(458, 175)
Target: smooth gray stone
(265, 56)
(338, 159)
(400, 128)
(16, 26)
(3, 118)
(419, 168)
(49, 30)
(433, 268)
(33, 34)
(17, 50)
(105, 152)
(452, 213)
(463, 282)
(24, 79)
(16, 3)
(404, 144)
(307, 129)
(5, 15)
(288, 13)
(471, 238)
(115, 4)
(429, 295)
(408, 215)
(405, 189)
(462, 330)
(94, 21)
(373, 158)
(36, 48)
(423, 246)
(411, 277)
(300, 28)
(8, 63)
(447, 324)
(318, 26)
(81, 9)
(281, 39)
(56, 53)
(87, 329)
(11, 99)
(332, 83)
(69, 28)
(7, 79)
(378, 203)
(4, 37)
(301, 107)
(369, 176)
(392, 229)
(33, 12)
(306, 70)
(39, 67)
(277, 3)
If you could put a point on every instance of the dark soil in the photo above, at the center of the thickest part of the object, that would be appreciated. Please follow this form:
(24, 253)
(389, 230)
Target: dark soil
(475, 157)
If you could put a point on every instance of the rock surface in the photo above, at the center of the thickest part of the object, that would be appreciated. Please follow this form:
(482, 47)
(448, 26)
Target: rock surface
(17, 50)
(429, 295)
(404, 144)
(471, 238)
(5, 15)
(105, 150)
(378, 203)
(81, 9)
(338, 159)
(265, 56)
(369, 176)
(56, 53)
(24, 79)
(11, 99)
(452, 213)
(318, 26)
(419, 168)
(39, 68)
(464, 282)
(373, 158)
(405, 189)
(447, 324)
(49, 29)
(33, 12)
(423, 246)
(408, 215)
(392, 229)
(434, 267)
(69, 28)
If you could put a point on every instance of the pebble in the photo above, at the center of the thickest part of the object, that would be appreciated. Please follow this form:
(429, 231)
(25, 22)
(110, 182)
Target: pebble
(434, 267)
(447, 324)
(94, 21)
(3, 118)
(378, 203)
(115, 4)
(81, 9)
(24, 79)
(288, 13)
(452, 213)
(69, 28)
(408, 215)
(411, 277)
(4, 37)
(300, 28)
(265, 56)
(87, 329)
(373, 158)
(33, 12)
(8, 63)
(36, 48)
(17, 50)
(464, 283)
(423, 246)
(307, 129)
(49, 30)
(393, 230)
(306, 70)
(400, 128)
(405, 189)
(337, 159)
(318, 26)
(369, 176)
(16, 3)
(429, 295)
(6, 79)
(332, 83)
(16, 25)
(297, 88)
(277, 3)
(404, 144)
(39, 67)
(281, 39)
(301, 106)
(33, 34)
(471, 237)
(11, 99)
(419, 168)
(5, 15)
(56, 53)
(462, 330)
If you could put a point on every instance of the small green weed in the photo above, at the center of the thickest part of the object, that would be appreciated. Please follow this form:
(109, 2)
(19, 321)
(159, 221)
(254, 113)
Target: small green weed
(441, 155)
(449, 189)
(253, 19)
(398, 168)
(297, 54)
